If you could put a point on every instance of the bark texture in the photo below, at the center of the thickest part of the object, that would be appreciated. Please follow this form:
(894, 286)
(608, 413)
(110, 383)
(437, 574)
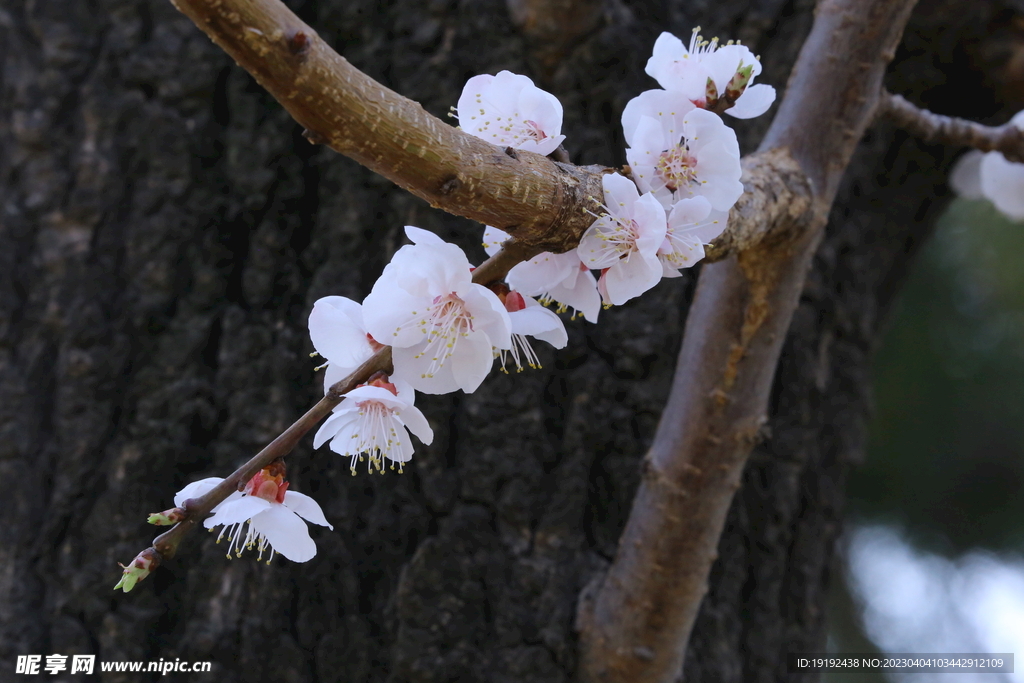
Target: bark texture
(165, 231)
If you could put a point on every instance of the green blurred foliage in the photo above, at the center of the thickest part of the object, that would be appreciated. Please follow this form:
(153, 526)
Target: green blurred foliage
(946, 456)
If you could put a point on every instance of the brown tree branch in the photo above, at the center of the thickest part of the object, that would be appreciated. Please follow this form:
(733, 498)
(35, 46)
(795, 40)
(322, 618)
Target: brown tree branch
(949, 130)
(531, 197)
(636, 620)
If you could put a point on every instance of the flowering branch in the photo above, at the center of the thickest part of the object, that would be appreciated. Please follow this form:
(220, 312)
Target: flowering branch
(949, 130)
(194, 510)
(635, 621)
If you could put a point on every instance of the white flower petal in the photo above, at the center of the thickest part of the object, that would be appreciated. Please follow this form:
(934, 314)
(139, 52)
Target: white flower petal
(493, 239)
(489, 316)
(631, 277)
(388, 311)
(237, 511)
(473, 362)
(582, 295)
(413, 366)
(1002, 182)
(544, 271)
(421, 236)
(196, 489)
(286, 533)
(965, 178)
(305, 507)
(336, 329)
(754, 101)
(417, 423)
(338, 419)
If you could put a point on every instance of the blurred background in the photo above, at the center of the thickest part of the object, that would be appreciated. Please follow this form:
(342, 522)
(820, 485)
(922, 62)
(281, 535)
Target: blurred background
(933, 552)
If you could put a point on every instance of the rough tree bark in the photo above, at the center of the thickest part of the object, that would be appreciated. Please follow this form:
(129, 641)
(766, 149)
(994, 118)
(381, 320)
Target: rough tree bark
(165, 230)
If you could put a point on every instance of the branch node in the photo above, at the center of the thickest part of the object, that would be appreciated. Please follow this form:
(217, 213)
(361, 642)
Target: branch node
(298, 43)
(450, 185)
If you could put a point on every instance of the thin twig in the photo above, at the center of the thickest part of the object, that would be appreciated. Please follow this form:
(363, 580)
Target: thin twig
(949, 130)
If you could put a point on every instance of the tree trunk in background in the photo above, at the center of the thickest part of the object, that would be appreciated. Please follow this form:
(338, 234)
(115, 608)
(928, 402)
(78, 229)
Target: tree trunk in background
(165, 230)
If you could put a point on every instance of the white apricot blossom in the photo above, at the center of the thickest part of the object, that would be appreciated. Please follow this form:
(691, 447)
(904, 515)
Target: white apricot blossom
(510, 111)
(374, 420)
(706, 71)
(624, 242)
(691, 225)
(441, 326)
(271, 516)
(561, 278)
(678, 151)
(530, 319)
(339, 336)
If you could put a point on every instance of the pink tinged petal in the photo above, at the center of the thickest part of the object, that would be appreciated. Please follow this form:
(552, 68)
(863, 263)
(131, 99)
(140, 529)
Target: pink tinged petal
(630, 278)
(440, 268)
(689, 211)
(704, 128)
(337, 332)
(305, 507)
(472, 362)
(582, 295)
(542, 272)
(493, 239)
(708, 229)
(286, 533)
(660, 105)
(1002, 182)
(489, 316)
(620, 194)
(413, 419)
(196, 489)
(594, 251)
(543, 147)
(421, 236)
(237, 511)
(724, 62)
(649, 215)
(754, 101)
(667, 49)
(468, 107)
(718, 174)
(965, 178)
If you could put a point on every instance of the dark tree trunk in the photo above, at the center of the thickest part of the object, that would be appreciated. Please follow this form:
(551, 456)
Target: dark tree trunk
(165, 230)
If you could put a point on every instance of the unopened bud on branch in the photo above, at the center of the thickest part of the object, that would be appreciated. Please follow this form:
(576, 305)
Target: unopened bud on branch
(167, 517)
(141, 566)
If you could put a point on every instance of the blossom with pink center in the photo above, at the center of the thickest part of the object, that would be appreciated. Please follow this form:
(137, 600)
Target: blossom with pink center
(691, 225)
(374, 421)
(530, 319)
(678, 151)
(561, 278)
(269, 514)
(705, 71)
(440, 325)
(340, 337)
(510, 111)
(624, 243)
